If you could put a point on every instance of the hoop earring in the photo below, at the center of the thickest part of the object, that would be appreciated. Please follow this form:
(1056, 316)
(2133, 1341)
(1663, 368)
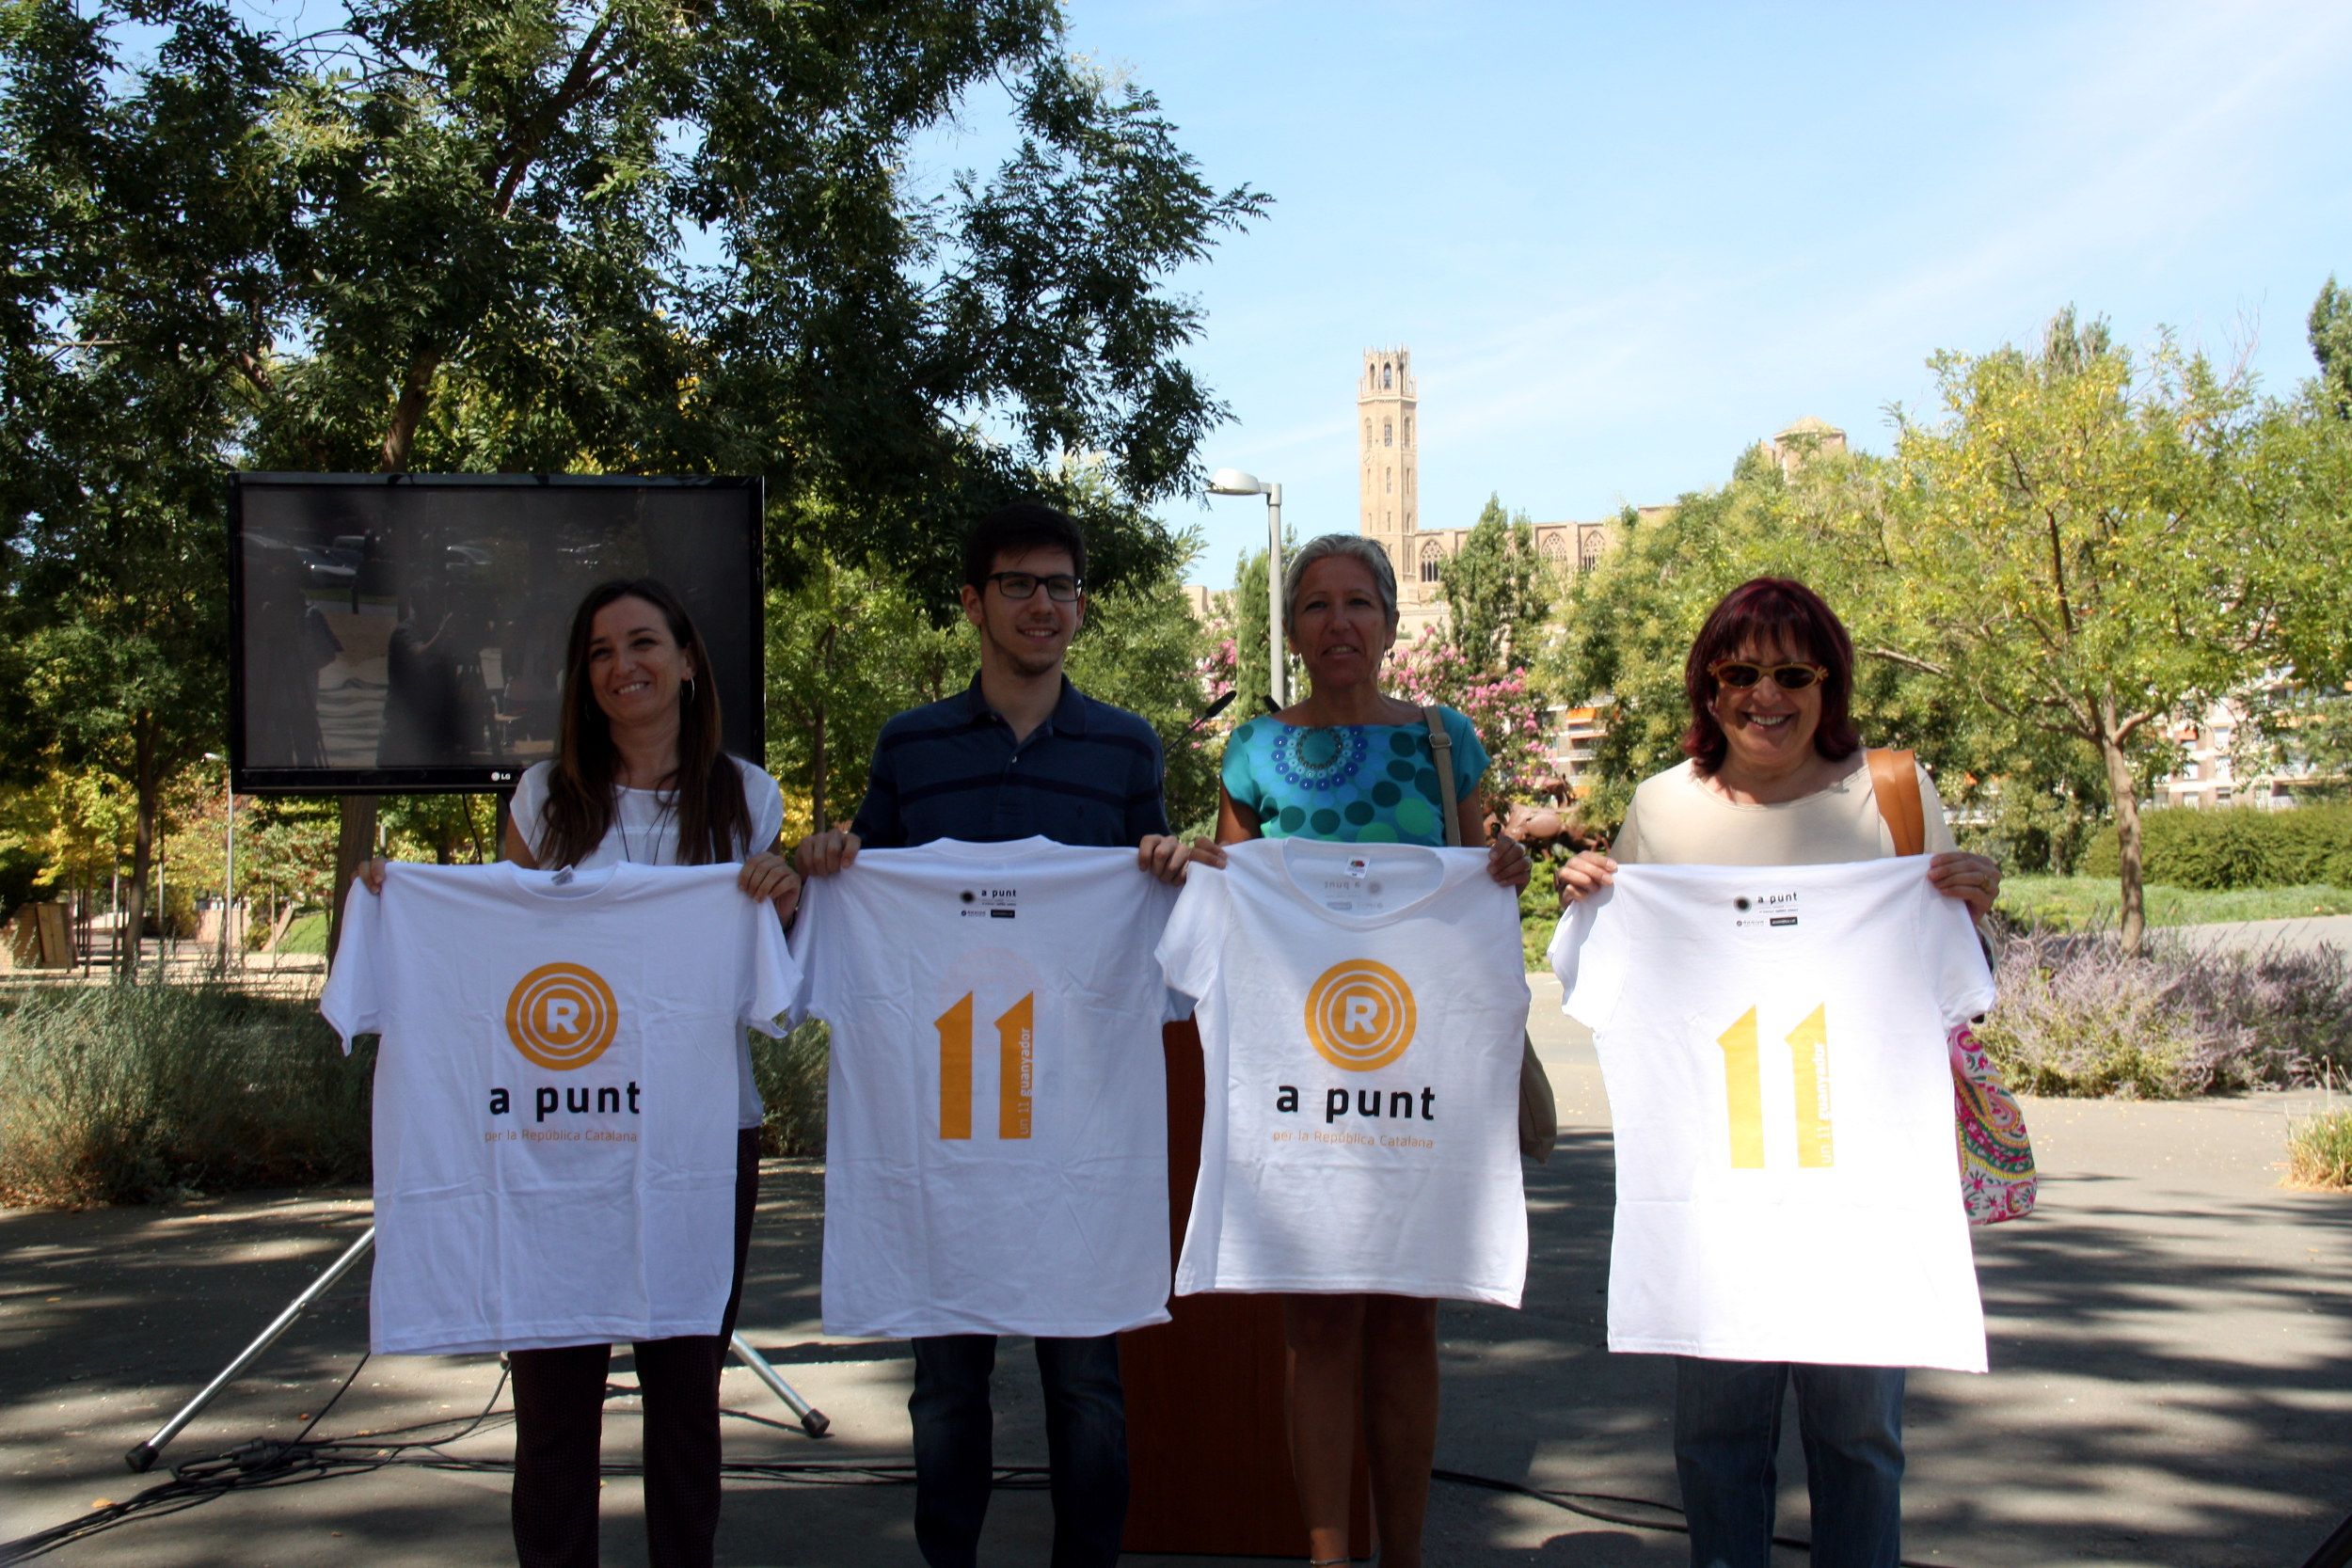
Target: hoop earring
(690, 691)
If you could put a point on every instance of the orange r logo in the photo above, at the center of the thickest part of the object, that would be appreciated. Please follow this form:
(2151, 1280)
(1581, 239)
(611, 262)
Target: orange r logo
(1360, 1015)
(562, 1016)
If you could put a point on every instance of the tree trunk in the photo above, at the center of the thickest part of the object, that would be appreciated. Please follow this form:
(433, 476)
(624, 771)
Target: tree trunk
(353, 843)
(142, 852)
(825, 643)
(2126, 797)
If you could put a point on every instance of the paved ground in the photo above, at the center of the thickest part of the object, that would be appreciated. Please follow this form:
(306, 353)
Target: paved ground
(2171, 1343)
(2324, 930)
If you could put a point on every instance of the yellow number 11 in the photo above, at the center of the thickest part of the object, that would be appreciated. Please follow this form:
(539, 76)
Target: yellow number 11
(1744, 1089)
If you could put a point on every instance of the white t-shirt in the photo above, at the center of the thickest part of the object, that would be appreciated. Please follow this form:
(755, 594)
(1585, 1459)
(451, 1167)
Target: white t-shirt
(554, 1097)
(645, 832)
(996, 1132)
(1361, 1009)
(1773, 1039)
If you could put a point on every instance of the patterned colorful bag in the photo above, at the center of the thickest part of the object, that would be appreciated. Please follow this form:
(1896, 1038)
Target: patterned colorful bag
(1997, 1174)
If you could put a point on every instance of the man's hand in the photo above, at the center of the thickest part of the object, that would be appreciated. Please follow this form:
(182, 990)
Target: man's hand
(823, 855)
(371, 875)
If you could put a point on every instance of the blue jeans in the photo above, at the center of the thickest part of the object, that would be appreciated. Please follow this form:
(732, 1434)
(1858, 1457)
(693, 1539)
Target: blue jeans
(1086, 1444)
(1727, 1441)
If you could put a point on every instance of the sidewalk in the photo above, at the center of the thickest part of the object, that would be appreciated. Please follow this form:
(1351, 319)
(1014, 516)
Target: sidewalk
(2171, 1344)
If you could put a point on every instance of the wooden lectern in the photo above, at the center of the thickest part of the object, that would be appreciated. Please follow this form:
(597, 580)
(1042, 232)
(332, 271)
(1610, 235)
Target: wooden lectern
(1208, 1453)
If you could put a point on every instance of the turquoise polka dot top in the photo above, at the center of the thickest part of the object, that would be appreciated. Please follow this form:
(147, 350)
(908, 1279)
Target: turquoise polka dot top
(1350, 783)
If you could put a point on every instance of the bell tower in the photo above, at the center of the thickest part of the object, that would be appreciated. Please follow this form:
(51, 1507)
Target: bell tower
(1389, 484)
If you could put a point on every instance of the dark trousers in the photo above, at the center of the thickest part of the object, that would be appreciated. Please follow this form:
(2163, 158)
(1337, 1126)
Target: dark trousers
(1727, 1443)
(1086, 1444)
(558, 1420)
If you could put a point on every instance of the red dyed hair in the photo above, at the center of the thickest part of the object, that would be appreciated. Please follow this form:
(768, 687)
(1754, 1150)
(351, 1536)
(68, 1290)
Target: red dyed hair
(1761, 614)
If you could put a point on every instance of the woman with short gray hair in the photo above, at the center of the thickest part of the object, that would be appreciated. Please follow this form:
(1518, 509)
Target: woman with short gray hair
(1351, 764)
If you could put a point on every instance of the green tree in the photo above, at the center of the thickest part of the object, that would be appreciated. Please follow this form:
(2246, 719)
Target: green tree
(1498, 591)
(2087, 545)
(1627, 625)
(847, 646)
(1142, 649)
(1252, 616)
(2331, 346)
(446, 234)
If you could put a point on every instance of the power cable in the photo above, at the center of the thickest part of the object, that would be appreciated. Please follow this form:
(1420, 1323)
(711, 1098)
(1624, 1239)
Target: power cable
(270, 1463)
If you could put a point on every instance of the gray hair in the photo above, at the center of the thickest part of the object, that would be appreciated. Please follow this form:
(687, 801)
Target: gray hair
(1356, 547)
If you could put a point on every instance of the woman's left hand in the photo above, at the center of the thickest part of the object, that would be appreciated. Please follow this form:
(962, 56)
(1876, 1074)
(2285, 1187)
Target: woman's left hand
(1508, 863)
(1974, 880)
(769, 875)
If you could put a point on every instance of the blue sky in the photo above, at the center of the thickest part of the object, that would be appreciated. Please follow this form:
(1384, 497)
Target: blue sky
(1623, 242)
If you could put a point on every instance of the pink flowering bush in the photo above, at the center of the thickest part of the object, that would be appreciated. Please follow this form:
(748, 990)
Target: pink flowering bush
(1507, 711)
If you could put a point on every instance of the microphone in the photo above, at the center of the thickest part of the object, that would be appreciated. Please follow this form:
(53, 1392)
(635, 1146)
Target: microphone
(1210, 711)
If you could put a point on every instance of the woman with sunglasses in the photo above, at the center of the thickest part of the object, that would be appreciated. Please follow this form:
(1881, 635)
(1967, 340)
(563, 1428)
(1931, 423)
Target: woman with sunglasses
(1776, 776)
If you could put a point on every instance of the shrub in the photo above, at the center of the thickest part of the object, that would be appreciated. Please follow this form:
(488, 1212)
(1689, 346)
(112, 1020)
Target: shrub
(2080, 1015)
(791, 1074)
(2319, 1152)
(127, 1093)
(2238, 847)
(2077, 1016)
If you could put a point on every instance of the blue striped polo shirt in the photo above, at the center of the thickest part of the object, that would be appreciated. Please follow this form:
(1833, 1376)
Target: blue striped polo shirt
(1089, 775)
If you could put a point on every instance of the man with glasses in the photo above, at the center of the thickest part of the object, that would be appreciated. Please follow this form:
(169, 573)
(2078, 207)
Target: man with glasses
(1019, 753)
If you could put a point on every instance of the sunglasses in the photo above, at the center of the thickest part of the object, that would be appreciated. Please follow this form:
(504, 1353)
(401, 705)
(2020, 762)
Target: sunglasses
(1740, 674)
(1021, 585)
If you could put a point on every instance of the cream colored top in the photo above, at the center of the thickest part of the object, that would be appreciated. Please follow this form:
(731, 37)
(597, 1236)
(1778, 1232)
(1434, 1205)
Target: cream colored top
(1678, 819)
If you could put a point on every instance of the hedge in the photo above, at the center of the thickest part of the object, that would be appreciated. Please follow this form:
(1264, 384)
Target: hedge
(2236, 846)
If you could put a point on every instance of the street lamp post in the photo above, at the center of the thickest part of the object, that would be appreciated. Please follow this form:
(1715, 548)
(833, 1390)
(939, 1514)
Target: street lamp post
(229, 870)
(1232, 482)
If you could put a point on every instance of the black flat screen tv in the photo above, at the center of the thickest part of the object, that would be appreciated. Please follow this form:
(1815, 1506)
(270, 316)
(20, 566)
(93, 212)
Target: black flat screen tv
(405, 632)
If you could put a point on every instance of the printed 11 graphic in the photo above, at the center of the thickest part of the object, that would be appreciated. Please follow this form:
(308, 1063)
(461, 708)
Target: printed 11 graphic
(1016, 1051)
(1743, 1090)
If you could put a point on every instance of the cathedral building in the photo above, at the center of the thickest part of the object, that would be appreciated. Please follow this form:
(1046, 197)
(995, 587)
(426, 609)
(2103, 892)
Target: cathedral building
(1388, 511)
(1389, 492)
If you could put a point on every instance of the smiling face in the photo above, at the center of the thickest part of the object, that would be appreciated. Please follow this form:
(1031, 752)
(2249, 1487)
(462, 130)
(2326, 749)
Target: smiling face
(635, 665)
(1769, 732)
(1025, 637)
(1339, 626)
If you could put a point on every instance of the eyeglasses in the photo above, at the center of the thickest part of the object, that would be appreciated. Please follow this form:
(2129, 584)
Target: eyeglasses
(1740, 674)
(1021, 585)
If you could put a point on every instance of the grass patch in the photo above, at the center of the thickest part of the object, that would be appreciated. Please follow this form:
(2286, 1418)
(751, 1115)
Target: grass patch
(305, 934)
(1539, 916)
(2087, 903)
(130, 1093)
(2319, 1152)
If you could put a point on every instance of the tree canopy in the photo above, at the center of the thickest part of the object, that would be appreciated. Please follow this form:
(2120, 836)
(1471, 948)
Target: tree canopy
(452, 235)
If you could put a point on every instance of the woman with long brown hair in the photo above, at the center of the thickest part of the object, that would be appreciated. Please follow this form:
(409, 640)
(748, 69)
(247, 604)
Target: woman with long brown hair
(639, 777)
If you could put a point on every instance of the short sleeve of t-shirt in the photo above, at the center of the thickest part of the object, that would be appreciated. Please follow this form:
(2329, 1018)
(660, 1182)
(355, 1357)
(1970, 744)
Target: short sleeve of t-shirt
(530, 804)
(1350, 783)
(1964, 982)
(1195, 931)
(351, 1004)
(1587, 952)
(1471, 760)
(771, 981)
